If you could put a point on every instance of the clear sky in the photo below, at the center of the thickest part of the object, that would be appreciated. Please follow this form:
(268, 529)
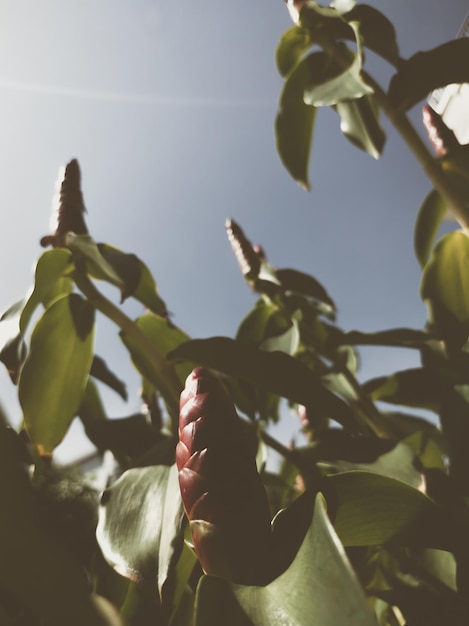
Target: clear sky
(169, 108)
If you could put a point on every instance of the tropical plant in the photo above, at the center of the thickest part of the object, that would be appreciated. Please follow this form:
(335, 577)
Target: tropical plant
(364, 523)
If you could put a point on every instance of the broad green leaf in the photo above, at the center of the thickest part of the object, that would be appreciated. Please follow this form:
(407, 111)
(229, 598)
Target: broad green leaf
(456, 166)
(55, 372)
(429, 218)
(445, 287)
(397, 463)
(426, 71)
(294, 126)
(359, 123)
(293, 44)
(84, 246)
(306, 594)
(35, 568)
(50, 268)
(138, 281)
(329, 82)
(419, 387)
(270, 371)
(140, 528)
(373, 510)
(376, 32)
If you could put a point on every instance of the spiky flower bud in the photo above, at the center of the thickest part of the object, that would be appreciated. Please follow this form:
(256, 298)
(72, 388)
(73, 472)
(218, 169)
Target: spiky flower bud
(441, 137)
(223, 495)
(249, 257)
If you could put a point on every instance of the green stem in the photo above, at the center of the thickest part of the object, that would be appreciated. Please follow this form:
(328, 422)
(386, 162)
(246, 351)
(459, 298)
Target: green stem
(431, 166)
(165, 377)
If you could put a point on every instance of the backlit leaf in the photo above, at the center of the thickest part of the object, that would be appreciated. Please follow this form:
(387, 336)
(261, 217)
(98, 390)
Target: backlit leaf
(55, 372)
(359, 123)
(293, 44)
(429, 218)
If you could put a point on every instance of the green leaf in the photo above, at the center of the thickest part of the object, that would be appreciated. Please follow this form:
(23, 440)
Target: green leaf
(305, 594)
(328, 82)
(429, 218)
(51, 266)
(420, 387)
(294, 126)
(376, 31)
(359, 123)
(55, 372)
(445, 288)
(271, 371)
(137, 279)
(166, 337)
(140, 528)
(84, 246)
(373, 510)
(35, 568)
(426, 71)
(293, 44)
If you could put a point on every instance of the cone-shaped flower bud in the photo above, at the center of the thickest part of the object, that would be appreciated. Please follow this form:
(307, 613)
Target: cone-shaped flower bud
(69, 207)
(248, 256)
(223, 495)
(441, 137)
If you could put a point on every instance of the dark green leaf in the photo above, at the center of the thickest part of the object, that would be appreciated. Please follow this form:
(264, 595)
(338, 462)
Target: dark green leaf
(376, 31)
(85, 247)
(271, 371)
(54, 375)
(429, 218)
(426, 71)
(293, 44)
(12, 355)
(422, 387)
(304, 284)
(455, 425)
(359, 123)
(395, 337)
(329, 81)
(100, 370)
(294, 125)
(140, 529)
(445, 288)
(306, 593)
(34, 568)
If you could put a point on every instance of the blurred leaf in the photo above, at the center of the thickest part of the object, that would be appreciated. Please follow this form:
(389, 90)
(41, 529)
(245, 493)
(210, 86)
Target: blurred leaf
(445, 288)
(428, 448)
(51, 266)
(455, 426)
(137, 279)
(100, 370)
(304, 284)
(376, 31)
(395, 337)
(140, 526)
(429, 218)
(34, 568)
(12, 355)
(84, 246)
(294, 126)
(55, 372)
(419, 387)
(271, 371)
(426, 71)
(373, 510)
(306, 593)
(328, 82)
(359, 123)
(440, 564)
(293, 44)
(402, 425)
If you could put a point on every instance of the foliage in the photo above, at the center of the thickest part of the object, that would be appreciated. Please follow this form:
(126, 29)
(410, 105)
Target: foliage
(370, 515)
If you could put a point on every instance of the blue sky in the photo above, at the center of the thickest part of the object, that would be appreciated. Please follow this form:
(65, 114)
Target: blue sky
(169, 108)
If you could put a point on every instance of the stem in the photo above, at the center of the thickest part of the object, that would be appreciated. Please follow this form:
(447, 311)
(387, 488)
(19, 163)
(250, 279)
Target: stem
(164, 375)
(431, 166)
